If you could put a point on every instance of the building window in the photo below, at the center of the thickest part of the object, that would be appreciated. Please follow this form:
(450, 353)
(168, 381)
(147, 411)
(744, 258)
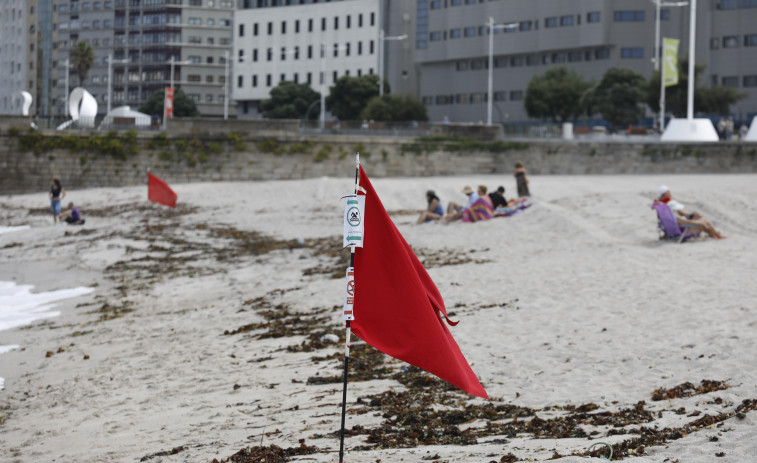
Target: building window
(550, 22)
(730, 81)
(240, 81)
(310, 52)
(501, 62)
(241, 30)
(323, 24)
(731, 41)
(635, 52)
(255, 55)
(360, 48)
(296, 26)
(478, 64)
(310, 25)
(310, 78)
(516, 95)
(558, 57)
(567, 20)
(255, 29)
(593, 16)
(461, 66)
(525, 26)
(269, 54)
(283, 27)
(665, 14)
(455, 33)
(349, 22)
(626, 16)
(270, 28)
(268, 79)
(435, 36)
(714, 43)
(462, 98)
(500, 96)
(750, 40)
(373, 19)
(470, 32)
(241, 55)
(516, 61)
(602, 53)
(360, 19)
(436, 4)
(371, 48)
(336, 23)
(456, 2)
(750, 81)
(427, 100)
(255, 80)
(574, 56)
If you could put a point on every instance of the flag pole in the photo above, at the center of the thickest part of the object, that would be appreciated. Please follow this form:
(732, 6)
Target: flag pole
(348, 334)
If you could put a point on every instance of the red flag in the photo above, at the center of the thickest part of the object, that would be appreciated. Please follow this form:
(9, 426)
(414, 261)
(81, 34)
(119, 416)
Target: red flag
(158, 191)
(398, 309)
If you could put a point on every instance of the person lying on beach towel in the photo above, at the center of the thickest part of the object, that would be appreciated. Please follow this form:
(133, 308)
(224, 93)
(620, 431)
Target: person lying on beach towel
(513, 206)
(481, 209)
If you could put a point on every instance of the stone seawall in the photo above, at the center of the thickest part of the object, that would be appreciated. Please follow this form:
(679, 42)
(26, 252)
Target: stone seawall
(28, 162)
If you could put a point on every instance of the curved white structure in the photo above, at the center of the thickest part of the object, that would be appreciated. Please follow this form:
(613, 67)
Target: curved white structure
(125, 112)
(752, 134)
(689, 130)
(82, 107)
(26, 100)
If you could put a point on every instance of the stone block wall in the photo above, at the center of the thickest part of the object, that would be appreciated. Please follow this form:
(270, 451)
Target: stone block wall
(180, 159)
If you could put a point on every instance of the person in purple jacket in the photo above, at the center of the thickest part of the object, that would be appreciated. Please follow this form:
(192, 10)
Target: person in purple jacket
(72, 216)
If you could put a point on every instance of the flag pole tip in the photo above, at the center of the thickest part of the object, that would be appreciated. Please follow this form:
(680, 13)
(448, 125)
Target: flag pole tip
(357, 160)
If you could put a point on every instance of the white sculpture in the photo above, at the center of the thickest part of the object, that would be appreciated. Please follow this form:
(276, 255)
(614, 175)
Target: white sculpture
(689, 130)
(752, 134)
(26, 100)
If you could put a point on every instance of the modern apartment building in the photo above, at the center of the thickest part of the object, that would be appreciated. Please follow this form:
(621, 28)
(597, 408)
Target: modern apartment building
(142, 37)
(18, 52)
(589, 36)
(302, 40)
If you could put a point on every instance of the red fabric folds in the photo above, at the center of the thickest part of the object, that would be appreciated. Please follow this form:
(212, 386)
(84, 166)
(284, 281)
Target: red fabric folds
(398, 309)
(158, 191)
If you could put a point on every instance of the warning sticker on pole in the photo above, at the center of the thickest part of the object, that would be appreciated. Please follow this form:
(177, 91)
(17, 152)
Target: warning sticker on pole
(354, 217)
(349, 295)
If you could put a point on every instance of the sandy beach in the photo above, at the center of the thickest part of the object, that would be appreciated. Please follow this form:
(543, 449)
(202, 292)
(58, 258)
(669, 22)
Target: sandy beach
(204, 333)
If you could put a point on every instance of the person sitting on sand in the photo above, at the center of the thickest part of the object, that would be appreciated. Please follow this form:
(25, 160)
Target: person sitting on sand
(434, 211)
(455, 211)
(72, 216)
(693, 219)
(498, 197)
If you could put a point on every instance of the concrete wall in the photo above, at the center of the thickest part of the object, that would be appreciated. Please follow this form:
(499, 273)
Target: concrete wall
(216, 159)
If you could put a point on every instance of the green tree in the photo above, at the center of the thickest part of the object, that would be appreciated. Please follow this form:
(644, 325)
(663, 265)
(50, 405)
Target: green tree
(290, 101)
(82, 59)
(182, 105)
(713, 100)
(555, 95)
(349, 95)
(395, 108)
(617, 97)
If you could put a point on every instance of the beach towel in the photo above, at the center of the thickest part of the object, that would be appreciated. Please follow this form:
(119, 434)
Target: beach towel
(481, 209)
(520, 205)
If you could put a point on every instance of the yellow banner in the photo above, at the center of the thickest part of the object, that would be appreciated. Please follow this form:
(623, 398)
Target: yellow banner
(670, 61)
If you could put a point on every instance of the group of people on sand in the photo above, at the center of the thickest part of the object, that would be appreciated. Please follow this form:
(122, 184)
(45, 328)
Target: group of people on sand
(692, 220)
(480, 205)
(71, 216)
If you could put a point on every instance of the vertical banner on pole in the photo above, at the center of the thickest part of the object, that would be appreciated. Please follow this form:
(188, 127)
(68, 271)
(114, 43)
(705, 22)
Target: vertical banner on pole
(354, 217)
(670, 61)
(169, 103)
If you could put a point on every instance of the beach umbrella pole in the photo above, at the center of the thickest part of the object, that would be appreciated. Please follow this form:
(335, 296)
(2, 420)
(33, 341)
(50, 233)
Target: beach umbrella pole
(348, 334)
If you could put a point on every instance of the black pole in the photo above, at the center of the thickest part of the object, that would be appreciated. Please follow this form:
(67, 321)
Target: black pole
(347, 344)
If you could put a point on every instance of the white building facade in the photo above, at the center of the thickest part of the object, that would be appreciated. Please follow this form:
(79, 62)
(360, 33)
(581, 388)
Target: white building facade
(312, 44)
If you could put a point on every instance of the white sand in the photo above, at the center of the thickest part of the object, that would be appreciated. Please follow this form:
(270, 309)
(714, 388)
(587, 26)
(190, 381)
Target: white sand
(599, 311)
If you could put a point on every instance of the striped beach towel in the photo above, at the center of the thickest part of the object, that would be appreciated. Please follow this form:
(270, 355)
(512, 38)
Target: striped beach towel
(482, 209)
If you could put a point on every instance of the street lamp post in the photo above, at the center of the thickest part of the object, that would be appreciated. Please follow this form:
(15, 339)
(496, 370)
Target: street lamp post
(492, 27)
(226, 88)
(658, 5)
(65, 98)
(383, 38)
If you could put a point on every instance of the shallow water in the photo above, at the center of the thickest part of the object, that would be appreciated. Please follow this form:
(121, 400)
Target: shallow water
(20, 306)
